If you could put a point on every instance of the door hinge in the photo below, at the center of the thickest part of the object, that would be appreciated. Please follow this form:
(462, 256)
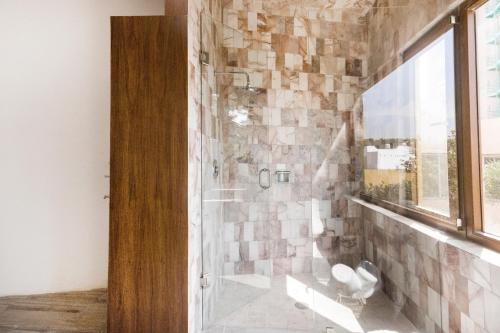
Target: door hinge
(460, 224)
(453, 20)
(204, 281)
(204, 58)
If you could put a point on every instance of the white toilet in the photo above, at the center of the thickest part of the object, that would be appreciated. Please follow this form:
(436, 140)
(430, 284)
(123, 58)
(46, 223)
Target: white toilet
(359, 284)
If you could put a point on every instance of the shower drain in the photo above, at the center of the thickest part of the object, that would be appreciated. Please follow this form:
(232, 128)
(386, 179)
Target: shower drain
(301, 306)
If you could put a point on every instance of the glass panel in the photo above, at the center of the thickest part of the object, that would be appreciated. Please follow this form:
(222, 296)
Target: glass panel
(212, 164)
(488, 79)
(276, 219)
(240, 234)
(409, 143)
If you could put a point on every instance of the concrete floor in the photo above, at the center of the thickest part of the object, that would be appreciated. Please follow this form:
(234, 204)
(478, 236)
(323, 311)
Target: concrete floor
(83, 312)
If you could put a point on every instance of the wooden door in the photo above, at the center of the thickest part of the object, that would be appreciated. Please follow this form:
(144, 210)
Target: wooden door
(148, 249)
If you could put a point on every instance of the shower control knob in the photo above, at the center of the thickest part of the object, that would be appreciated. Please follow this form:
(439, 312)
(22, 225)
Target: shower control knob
(215, 166)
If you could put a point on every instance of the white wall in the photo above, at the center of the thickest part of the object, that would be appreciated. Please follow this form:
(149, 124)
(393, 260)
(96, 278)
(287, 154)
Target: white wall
(54, 141)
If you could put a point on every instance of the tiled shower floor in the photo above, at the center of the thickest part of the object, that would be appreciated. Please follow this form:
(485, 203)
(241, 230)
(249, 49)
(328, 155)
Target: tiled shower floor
(257, 304)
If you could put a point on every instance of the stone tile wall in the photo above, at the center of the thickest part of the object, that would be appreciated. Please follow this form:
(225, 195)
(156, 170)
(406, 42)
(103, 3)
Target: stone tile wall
(443, 284)
(393, 25)
(307, 61)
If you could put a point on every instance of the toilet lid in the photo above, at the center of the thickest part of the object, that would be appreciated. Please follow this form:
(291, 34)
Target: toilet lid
(367, 276)
(342, 273)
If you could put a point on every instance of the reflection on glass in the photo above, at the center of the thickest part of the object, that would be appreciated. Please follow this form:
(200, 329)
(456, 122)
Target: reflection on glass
(488, 66)
(409, 120)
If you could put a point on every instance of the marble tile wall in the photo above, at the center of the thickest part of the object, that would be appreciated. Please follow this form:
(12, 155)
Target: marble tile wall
(410, 267)
(443, 284)
(307, 61)
(393, 25)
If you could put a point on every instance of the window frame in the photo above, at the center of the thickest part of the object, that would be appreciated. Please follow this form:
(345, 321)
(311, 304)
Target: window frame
(470, 208)
(471, 160)
(428, 217)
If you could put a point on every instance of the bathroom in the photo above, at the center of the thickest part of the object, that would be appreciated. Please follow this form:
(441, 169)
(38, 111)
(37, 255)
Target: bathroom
(279, 166)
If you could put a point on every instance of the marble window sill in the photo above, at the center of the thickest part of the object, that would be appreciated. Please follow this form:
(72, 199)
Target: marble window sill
(485, 254)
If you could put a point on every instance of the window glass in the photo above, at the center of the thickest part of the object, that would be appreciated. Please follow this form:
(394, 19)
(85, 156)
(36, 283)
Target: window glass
(409, 133)
(487, 19)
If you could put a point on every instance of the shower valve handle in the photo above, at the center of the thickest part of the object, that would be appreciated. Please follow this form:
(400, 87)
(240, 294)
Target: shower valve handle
(265, 187)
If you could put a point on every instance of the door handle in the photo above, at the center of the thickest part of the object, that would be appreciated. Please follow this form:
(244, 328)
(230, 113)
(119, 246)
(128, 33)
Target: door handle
(265, 187)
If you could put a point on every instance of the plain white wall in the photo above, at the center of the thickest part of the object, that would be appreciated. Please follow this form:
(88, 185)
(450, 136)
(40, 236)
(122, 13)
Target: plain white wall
(54, 141)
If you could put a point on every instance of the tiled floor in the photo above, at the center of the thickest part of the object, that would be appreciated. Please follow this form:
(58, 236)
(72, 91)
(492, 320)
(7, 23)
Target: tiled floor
(83, 312)
(273, 309)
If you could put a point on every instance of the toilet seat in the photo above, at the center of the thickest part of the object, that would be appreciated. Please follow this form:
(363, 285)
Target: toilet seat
(347, 276)
(360, 283)
(342, 273)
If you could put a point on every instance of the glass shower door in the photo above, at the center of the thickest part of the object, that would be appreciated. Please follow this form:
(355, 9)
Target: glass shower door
(212, 165)
(257, 212)
(236, 181)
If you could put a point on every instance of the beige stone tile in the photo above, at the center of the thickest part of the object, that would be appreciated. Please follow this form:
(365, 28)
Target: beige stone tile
(476, 303)
(252, 21)
(445, 315)
(271, 61)
(299, 26)
(495, 279)
(293, 62)
(475, 269)
(276, 80)
(434, 305)
(467, 325)
(257, 59)
(492, 319)
(345, 101)
(231, 18)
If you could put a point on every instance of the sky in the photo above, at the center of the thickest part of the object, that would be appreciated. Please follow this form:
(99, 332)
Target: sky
(420, 91)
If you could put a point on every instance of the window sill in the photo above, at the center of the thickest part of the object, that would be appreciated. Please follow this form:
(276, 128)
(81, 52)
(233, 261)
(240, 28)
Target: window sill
(485, 254)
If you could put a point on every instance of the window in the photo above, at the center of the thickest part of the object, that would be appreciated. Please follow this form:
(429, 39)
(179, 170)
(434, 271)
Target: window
(432, 127)
(487, 35)
(410, 135)
(480, 69)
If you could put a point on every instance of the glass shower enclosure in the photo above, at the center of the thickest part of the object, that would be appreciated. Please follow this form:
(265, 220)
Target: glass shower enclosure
(268, 238)
(276, 170)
